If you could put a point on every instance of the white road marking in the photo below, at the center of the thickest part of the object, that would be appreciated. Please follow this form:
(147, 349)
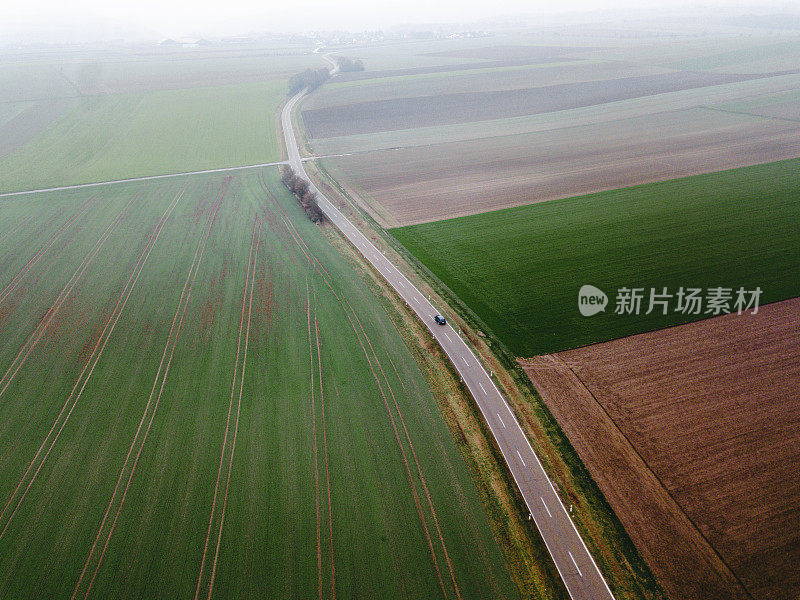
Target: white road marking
(501, 420)
(402, 285)
(520, 458)
(483, 388)
(574, 563)
(448, 337)
(416, 300)
(545, 507)
(465, 360)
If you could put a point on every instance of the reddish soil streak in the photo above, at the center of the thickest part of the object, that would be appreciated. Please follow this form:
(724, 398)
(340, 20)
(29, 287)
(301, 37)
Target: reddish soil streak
(73, 398)
(162, 373)
(44, 323)
(327, 469)
(249, 281)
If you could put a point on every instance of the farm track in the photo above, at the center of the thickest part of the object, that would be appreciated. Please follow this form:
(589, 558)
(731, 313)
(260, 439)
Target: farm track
(158, 384)
(37, 334)
(37, 462)
(327, 468)
(353, 319)
(247, 302)
(15, 281)
(314, 433)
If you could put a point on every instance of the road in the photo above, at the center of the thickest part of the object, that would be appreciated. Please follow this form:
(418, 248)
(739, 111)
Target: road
(575, 564)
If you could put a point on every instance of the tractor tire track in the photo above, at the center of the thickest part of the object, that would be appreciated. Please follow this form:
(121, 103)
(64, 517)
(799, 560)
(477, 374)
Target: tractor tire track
(247, 301)
(12, 232)
(39, 459)
(316, 455)
(161, 377)
(15, 281)
(34, 338)
(327, 469)
(314, 262)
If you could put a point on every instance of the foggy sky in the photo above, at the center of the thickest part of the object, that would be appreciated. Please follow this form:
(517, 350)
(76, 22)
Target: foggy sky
(22, 19)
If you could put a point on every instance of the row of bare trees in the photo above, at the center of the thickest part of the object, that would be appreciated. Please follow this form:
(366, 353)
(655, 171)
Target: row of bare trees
(310, 78)
(300, 188)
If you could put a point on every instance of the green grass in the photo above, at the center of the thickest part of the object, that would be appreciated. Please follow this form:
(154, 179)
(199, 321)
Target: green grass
(134, 135)
(269, 537)
(520, 269)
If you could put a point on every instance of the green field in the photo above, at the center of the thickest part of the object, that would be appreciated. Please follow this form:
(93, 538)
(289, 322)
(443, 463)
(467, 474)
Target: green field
(520, 269)
(133, 135)
(198, 393)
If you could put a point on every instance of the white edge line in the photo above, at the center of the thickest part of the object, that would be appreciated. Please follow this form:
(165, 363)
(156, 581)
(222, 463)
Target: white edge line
(574, 563)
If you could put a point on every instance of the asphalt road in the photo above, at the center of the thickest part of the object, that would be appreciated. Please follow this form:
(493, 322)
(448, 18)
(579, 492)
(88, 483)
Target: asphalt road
(576, 566)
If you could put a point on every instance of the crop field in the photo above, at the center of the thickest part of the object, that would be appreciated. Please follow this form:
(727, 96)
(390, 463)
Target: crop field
(419, 184)
(527, 121)
(411, 112)
(691, 434)
(131, 135)
(200, 399)
(520, 269)
(342, 92)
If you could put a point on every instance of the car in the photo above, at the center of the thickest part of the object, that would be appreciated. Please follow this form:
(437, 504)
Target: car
(440, 319)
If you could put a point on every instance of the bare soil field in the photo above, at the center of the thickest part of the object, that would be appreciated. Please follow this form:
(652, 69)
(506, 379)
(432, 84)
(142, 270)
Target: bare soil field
(557, 72)
(429, 183)
(690, 432)
(405, 113)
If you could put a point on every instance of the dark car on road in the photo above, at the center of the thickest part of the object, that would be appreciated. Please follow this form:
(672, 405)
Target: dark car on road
(440, 319)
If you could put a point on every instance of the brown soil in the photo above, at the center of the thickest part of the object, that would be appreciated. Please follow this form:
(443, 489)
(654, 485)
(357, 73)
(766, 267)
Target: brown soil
(690, 432)
(429, 183)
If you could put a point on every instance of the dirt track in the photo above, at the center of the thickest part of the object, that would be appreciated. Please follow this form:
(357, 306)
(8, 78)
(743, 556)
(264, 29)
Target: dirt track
(691, 434)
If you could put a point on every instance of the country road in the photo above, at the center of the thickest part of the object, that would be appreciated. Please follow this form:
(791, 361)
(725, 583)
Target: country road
(575, 564)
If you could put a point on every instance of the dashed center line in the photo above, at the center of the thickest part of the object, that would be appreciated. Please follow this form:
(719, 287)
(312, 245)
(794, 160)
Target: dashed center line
(465, 360)
(483, 388)
(545, 507)
(402, 285)
(520, 458)
(416, 300)
(501, 420)
(574, 563)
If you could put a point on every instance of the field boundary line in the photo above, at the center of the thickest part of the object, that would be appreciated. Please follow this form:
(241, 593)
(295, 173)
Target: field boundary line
(78, 186)
(161, 375)
(37, 334)
(102, 341)
(44, 248)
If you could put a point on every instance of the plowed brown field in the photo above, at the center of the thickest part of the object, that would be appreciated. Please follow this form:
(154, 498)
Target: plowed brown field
(691, 433)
